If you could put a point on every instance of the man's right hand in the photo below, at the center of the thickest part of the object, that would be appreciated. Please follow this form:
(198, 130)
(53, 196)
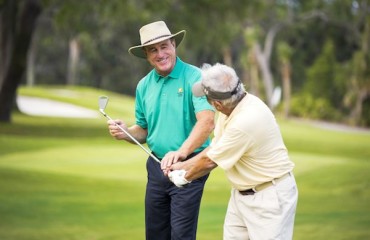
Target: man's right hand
(115, 131)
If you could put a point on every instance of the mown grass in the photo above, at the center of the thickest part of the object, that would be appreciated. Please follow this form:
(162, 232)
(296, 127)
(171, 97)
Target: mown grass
(68, 179)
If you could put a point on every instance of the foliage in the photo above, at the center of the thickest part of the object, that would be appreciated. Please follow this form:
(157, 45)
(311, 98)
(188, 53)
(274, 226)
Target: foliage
(307, 106)
(366, 113)
(321, 77)
(67, 179)
(324, 36)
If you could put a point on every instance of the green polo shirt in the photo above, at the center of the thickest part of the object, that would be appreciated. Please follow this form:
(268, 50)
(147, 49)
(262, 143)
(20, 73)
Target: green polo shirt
(166, 107)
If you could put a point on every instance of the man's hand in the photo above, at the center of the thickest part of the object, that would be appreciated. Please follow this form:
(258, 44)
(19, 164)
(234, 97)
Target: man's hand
(178, 178)
(171, 158)
(115, 131)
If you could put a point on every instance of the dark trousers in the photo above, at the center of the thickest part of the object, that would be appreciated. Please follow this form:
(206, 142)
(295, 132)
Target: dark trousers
(171, 213)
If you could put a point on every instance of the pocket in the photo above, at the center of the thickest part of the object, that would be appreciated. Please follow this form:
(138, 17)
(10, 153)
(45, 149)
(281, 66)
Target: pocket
(287, 190)
(265, 204)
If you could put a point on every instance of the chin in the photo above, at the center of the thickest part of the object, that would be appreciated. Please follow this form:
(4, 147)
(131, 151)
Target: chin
(164, 70)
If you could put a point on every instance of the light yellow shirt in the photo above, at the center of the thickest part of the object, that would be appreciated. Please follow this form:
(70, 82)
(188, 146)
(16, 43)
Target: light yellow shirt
(248, 145)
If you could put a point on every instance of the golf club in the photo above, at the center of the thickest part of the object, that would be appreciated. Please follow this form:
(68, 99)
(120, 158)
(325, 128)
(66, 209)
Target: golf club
(103, 102)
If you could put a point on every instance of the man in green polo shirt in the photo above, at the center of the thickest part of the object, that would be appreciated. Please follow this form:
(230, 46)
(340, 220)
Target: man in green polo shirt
(175, 125)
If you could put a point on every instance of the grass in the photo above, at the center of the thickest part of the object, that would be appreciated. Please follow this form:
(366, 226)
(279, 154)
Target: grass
(67, 179)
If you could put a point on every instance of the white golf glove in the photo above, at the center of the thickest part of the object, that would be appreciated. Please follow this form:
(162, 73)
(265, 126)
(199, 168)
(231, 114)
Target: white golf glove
(178, 178)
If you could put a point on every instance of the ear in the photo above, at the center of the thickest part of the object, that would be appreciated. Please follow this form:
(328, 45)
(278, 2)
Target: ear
(217, 105)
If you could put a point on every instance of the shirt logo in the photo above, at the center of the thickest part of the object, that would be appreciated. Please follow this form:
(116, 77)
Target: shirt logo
(180, 92)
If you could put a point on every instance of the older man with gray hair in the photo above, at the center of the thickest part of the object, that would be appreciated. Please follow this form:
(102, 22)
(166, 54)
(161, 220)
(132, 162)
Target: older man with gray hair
(248, 145)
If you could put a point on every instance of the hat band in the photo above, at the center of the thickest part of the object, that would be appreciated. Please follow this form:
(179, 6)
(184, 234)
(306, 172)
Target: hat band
(151, 40)
(220, 95)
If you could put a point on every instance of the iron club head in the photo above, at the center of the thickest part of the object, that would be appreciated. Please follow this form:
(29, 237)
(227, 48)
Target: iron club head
(103, 102)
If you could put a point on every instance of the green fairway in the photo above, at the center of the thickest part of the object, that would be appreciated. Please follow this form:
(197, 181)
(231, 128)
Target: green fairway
(68, 179)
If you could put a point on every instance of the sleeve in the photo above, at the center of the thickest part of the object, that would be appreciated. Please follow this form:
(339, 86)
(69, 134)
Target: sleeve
(227, 149)
(139, 108)
(200, 103)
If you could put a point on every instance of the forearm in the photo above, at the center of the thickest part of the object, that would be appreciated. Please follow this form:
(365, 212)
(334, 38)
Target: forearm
(198, 166)
(201, 131)
(201, 168)
(138, 133)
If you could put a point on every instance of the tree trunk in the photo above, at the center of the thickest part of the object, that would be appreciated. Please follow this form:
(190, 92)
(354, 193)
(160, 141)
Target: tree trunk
(254, 76)
(74, 56)
(286, 73)
(227, 56)
(356, 113)
(266, 74)
(31, 64)
(263, 57)
(13, 72)
(7, 35)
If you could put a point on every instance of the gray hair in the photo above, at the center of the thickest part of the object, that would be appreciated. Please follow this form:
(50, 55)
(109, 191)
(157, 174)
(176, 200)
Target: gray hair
(222, 78)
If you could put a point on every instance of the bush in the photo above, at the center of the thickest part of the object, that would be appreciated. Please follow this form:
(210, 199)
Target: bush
(306, 106)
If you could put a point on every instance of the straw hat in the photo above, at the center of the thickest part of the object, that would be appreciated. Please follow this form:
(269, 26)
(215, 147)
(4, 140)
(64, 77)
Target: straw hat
(154, 33)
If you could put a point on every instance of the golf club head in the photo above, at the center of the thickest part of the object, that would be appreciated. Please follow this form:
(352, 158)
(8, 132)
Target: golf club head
(103, 102)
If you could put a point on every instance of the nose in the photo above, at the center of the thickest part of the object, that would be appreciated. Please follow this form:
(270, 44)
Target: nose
(160, 52)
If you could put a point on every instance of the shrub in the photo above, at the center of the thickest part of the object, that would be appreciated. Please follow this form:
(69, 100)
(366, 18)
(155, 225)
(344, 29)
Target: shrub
(306, 106)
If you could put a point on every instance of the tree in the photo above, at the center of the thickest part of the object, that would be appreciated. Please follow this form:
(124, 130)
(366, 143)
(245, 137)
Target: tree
(275, 17)
(248, 59)
(18, 20)
(321, 75)
(104, 30)
(285, 54)
(359, 83)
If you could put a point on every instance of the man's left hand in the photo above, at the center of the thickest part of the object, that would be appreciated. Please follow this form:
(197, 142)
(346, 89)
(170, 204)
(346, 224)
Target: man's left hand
(178, 178)
(171, 158)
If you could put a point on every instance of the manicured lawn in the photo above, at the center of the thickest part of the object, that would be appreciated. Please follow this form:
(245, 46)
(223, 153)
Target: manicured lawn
(68, 179)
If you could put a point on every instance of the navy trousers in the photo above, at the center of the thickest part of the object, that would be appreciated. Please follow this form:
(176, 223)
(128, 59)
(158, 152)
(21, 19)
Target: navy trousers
(171, 213)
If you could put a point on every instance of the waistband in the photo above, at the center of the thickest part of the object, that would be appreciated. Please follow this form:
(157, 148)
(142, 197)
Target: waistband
(187, 158)
(262, 186)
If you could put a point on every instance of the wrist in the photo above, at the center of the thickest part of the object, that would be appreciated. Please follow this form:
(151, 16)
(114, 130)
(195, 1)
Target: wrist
(184, 152)
(185, 179)
(178, 178)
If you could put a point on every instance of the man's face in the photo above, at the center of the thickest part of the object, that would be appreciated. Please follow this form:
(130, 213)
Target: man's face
(162, 56)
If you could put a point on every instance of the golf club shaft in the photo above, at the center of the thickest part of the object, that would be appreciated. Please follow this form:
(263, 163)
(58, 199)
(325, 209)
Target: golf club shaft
(132, 138)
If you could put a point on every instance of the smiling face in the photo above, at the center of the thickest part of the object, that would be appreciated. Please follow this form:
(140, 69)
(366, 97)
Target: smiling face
(162, 56)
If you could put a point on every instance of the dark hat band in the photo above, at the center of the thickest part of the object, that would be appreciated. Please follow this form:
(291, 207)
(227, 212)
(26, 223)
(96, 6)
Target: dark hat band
(151, 40)
(220, 95)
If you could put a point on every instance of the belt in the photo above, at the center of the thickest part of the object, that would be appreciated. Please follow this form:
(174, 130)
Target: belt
(187, 158)
(262, 186)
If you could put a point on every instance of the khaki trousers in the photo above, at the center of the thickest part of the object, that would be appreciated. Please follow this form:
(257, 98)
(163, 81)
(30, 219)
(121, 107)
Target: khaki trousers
(265, 215)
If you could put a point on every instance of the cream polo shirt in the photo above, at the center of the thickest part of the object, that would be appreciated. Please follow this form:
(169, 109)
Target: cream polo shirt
(248, 145)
